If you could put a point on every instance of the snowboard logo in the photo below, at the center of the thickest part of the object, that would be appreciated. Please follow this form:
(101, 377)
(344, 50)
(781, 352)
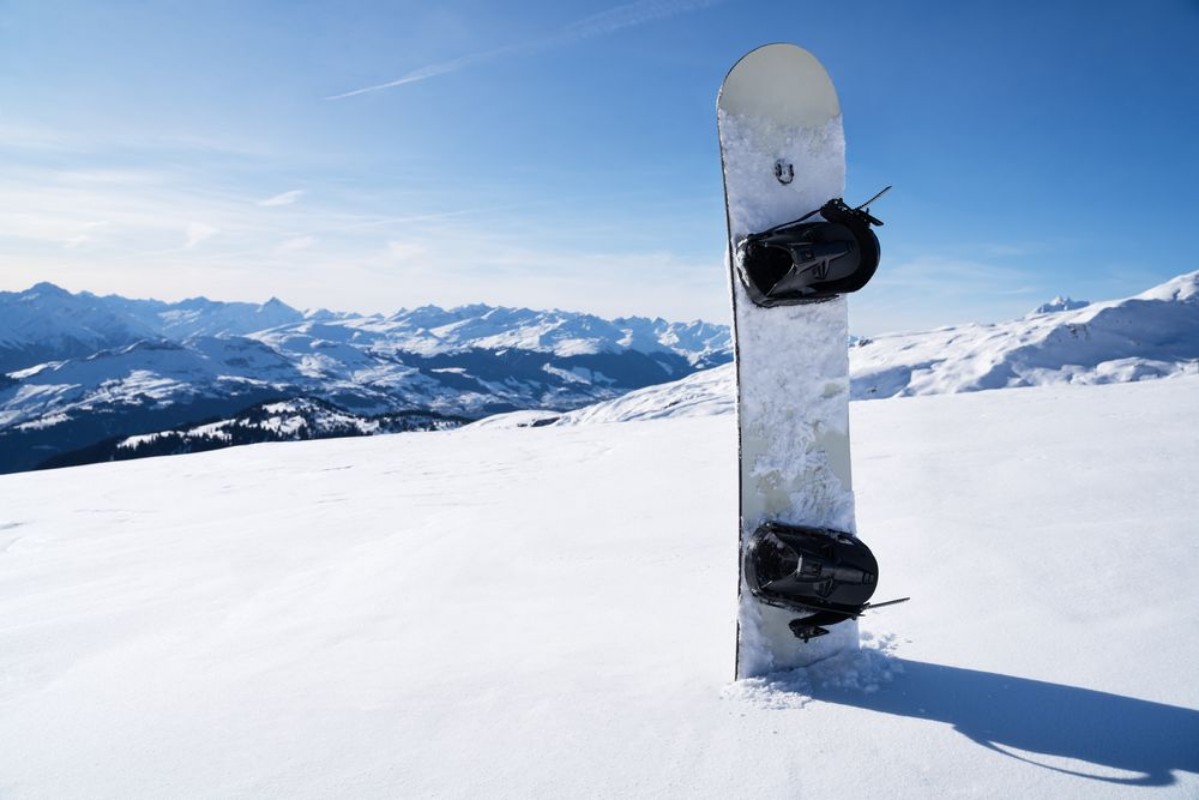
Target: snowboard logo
(784, 171)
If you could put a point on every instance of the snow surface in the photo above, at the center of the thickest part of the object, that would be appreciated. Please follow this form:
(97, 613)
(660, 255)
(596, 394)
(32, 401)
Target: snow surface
(550, 613)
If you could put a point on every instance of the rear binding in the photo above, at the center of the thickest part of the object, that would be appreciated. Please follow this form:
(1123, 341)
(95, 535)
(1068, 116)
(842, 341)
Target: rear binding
(828, 575)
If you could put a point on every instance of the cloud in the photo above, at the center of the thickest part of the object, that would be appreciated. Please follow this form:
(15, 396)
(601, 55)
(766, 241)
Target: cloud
(85, 237)
(197, 232)
(406, 251)
(628, 15)
(284, 199)
(296, 244)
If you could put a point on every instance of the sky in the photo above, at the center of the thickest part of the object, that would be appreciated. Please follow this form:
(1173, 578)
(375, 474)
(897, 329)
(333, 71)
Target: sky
(364, 155)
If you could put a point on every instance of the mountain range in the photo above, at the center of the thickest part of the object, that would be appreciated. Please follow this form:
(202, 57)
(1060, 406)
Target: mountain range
(107, 378)
(81, 373)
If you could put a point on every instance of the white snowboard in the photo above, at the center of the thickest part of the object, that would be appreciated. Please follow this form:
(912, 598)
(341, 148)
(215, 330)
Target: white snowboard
(783, 154)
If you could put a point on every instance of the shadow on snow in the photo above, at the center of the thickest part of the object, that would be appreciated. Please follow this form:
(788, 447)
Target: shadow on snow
(1149, 739)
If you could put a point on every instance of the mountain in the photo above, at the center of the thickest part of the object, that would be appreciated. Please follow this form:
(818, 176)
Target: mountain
(47, 323)
(124, 368)
(551, 613)
(1152, 335)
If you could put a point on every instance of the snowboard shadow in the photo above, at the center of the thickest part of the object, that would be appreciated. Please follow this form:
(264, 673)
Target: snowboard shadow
(1147, 740)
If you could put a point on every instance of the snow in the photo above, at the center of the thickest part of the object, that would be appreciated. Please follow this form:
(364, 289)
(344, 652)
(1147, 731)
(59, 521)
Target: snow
(702, 394)
(550, 612)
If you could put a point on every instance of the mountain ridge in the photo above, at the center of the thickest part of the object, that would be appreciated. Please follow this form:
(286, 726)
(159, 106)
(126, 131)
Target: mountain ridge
(38, 319)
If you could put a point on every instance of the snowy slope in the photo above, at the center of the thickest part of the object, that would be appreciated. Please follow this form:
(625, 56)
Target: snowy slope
(700, 395)
(549, 613)
(1154, 334)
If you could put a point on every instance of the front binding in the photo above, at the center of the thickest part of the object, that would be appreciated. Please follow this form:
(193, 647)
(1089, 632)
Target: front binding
(806, 262)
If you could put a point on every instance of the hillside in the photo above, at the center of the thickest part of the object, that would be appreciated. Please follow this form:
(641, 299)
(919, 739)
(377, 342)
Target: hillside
(549, 613)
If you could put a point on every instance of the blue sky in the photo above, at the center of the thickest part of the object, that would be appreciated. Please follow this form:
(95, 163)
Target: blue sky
(563, 154)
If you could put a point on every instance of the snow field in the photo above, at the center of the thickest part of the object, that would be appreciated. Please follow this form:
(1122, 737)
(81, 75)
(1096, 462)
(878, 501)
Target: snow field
(550, 613)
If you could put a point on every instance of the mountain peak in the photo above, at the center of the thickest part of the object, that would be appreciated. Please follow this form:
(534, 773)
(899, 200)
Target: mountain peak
(1181, 288)
(44, 289)
(1060, 303)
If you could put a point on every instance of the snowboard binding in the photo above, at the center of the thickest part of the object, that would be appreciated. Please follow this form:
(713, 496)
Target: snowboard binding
(807, 262)
(828, 575)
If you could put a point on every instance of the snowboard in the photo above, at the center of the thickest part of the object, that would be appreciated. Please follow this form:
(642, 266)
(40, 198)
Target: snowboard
(804, 576)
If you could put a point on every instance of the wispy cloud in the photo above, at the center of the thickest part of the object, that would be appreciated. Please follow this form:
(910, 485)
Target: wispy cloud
(284, 199)
(198, 232)
(406, 251)
(628, 15)
(296, 244)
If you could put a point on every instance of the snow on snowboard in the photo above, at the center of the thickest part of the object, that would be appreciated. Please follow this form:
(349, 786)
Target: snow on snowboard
(795, 250)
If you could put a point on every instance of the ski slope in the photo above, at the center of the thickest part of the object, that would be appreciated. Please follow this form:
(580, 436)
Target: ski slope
(549, 612)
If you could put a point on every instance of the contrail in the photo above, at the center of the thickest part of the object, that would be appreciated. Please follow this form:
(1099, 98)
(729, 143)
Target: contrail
(628, 15)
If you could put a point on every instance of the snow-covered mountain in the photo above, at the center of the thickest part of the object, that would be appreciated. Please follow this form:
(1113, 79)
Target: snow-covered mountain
(551, 613)
(48, 323)
(1152, 335)
(119, 368)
